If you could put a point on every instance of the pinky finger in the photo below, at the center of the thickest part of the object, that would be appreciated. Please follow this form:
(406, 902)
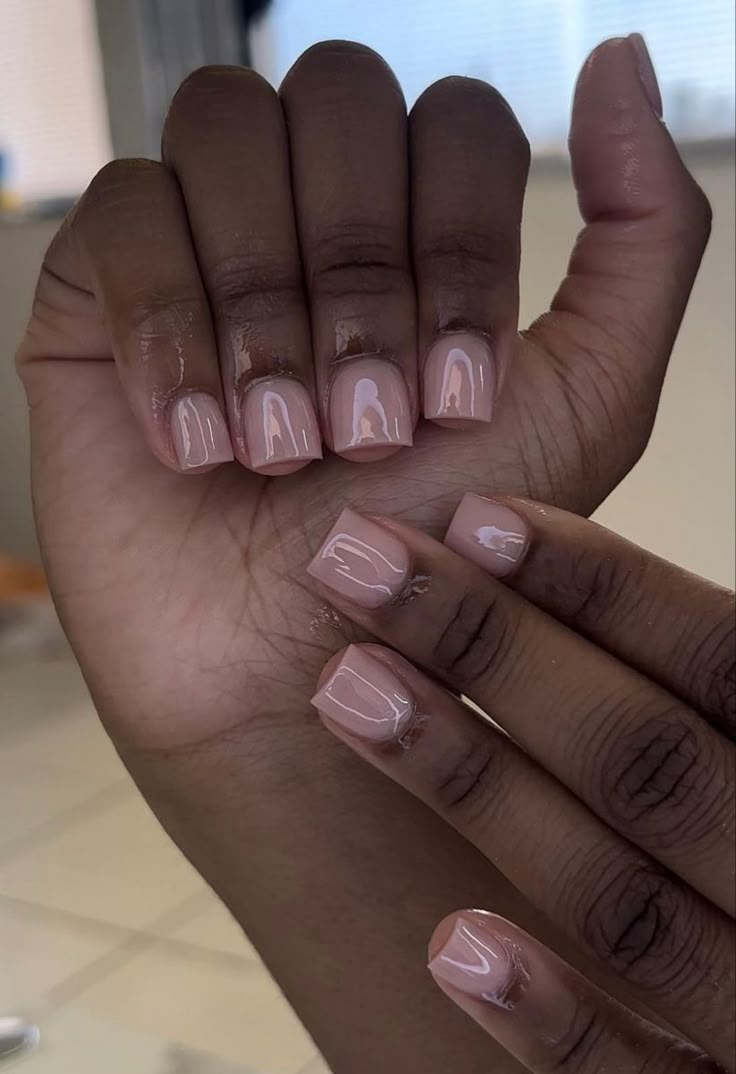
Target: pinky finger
(542, 1011)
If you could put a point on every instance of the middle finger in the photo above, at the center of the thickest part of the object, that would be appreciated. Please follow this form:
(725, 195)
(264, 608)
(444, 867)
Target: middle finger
(347, 130)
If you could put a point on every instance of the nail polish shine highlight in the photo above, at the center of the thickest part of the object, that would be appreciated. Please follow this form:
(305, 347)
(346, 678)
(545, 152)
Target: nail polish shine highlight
(468, 955)
(459, 379)
(280, 424)
(199, 431)
(365, 698)
(489, 534)
(369, 406)
(362, 561)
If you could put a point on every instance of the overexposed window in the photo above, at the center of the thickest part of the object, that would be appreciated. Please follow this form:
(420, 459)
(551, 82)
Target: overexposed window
(53, 118)
(531, 50)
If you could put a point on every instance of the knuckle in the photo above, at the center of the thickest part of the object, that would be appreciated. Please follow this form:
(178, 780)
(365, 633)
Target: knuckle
(700, 211)
(639, 924)
(335, 60)
(469, 258)
(468, 782)
(356, 259)
(591, 587)
(473, 640)
(209, 93)
(120, 180)
(150, 317)
(471, 97)
(576, 1049)
(252, 286)
(713, 671)
(658, 782)
(123, 190)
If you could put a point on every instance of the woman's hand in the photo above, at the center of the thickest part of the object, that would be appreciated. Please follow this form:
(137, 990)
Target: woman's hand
(607, 795)
(171, 288)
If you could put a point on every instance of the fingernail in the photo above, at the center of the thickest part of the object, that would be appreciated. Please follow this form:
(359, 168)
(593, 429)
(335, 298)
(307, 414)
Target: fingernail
(366, 699)
(369, 406)
(280, 423)
(489, 534)
(362, 561)
(199, 431)
(647, 74)
(467, 954)
(459, 379)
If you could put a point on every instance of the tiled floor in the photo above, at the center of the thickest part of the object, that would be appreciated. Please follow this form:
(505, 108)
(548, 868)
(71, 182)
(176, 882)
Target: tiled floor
(108, 939)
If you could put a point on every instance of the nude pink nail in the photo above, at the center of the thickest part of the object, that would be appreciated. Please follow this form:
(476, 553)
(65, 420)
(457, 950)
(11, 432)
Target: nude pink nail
(280, 423)
(369, 406)
(459, 379)
(199, 431)
(467, 953)
(366, 699)
(489, 534)
(362, 561)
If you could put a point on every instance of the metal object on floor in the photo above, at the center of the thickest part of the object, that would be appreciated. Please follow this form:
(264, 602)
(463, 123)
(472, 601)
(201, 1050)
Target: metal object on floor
(17, 1036)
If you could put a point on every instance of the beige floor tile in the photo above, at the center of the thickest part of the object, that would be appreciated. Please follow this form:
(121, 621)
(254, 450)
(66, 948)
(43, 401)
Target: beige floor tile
(211, 927)
(38, 952)
(75, 1042)
(316, 1066)
(117, 866)
(234, 1012)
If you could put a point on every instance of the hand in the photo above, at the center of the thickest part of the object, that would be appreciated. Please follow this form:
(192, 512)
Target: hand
(611, 804)
(182, 594)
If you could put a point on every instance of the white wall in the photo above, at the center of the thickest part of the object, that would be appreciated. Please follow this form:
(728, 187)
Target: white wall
(679, 501)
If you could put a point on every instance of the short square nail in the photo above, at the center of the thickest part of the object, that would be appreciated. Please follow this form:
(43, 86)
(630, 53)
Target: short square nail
(459, 379)
(369, 406)
(280, 423)
(365, 698)
(199, 431)
(489, 534)
(467, 955)
(362, 561)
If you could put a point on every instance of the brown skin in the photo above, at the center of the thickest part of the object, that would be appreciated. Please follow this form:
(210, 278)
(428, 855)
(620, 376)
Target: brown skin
(576, 665)
(184, 595)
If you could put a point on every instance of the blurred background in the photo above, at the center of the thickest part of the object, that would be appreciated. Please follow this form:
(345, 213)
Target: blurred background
(107, 939)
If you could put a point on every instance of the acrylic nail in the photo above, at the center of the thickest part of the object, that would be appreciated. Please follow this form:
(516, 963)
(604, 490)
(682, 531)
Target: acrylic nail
(459, 379)
(646, 72)
(362, 561)
(199, 431)
(467, 953)
(280, 423)
(366, 699)
(369, 406)
(489, 534)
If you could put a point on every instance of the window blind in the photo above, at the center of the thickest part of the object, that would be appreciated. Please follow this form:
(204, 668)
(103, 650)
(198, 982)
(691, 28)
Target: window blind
(53, 119)
(531, 50)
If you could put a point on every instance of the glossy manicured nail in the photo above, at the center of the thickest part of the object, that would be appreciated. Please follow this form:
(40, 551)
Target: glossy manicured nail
(366, 699)
(362, 561)
(369, 406)
(459, 379)
(647, 74)
(199, 431)
(280, 423)
(489, 534)
(467, 953)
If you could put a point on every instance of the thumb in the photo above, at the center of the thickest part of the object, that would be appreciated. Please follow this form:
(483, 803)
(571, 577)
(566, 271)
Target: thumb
(614, 319)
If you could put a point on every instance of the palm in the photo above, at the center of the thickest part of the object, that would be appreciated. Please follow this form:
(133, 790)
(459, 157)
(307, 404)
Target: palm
(188, 594)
